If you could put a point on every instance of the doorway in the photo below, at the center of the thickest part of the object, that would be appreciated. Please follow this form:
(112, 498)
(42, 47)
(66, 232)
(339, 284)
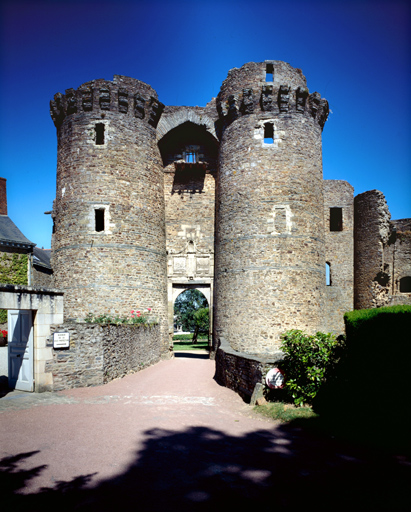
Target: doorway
(20, 350)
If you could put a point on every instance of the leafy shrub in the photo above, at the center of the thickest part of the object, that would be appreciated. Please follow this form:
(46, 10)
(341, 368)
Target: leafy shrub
(308, 362)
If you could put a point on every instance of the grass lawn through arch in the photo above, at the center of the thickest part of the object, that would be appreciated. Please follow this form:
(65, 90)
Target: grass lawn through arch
(185, 342)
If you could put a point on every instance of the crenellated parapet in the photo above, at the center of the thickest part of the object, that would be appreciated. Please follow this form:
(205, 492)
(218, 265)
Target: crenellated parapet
(283, 91)
(123, 95)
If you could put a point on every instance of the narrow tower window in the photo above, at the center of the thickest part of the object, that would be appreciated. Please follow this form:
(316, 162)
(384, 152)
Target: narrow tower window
(99, 129)
(269, 73)
(328, 274)
(99, 219)
(268, 133)
(336, 220)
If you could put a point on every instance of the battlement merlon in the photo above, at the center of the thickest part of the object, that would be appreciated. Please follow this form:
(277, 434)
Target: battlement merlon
(270, 86)
(123, 95)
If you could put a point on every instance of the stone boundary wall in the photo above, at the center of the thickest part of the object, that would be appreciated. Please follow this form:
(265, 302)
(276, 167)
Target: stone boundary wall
(240, 371)
(101, 353)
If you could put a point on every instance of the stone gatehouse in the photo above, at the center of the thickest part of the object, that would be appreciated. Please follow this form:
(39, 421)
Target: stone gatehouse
(228, 198)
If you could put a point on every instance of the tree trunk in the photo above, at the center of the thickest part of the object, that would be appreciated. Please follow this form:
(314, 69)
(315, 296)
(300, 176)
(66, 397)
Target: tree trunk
(195, 335)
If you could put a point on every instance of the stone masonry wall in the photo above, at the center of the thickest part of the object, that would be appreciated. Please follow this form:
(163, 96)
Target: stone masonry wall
(241, 372)
(397, 255)
(382, 253)
(339, 254)
(109, 166)
(100, 353)
(43, 277)
(371, 234)
(269, 269)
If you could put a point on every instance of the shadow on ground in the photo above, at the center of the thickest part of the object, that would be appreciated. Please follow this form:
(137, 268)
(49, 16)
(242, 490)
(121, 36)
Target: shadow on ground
(197, 469)
(192, 354)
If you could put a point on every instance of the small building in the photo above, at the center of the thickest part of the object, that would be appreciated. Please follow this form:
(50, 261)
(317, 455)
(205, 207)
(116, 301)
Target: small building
(16, 251)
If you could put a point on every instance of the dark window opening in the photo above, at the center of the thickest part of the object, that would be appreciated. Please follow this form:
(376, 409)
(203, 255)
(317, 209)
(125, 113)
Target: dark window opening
(99, 217)
(269, 73)
(268, 133)
(405, 284)
(191, 157)
(336, 220)
(99, 128)
(328, 274)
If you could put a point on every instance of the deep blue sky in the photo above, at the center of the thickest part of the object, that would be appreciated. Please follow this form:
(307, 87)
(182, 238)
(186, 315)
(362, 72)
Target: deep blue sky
(357, 54)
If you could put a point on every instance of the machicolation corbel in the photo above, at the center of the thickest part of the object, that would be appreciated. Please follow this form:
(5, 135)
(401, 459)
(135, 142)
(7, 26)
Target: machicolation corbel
(71, 101)
(301, 95)
(232, 113)
(87, 99)
(57, 109)
(314, 103)
(139, 104)
(283, 98)
(156, 109)
(323, 112)
(105, 99)
(267, 98)
(123, 101)
(247, 105)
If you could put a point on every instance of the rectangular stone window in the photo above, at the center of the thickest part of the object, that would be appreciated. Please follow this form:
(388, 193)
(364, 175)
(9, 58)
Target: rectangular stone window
(99, 129)
(328, 274)
(268, 133)
(269, 73)
(336, 219)
(191, 157)
(280, 220)
(99, 219)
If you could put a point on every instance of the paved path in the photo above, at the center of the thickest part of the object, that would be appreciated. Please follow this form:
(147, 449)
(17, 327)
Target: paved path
(170, 438)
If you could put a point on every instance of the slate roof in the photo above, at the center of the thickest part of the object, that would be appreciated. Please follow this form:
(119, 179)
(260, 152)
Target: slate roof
(10, 234)
(41, 257)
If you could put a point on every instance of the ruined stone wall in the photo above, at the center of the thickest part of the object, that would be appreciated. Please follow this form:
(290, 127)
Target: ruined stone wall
(339, 253)
(371, 234)
(269, 268)
(100, 353)
(382, 253)
(108, 246)
(397, 254)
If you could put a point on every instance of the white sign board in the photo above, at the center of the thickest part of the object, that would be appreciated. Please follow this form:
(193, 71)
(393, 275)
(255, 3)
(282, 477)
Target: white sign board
(275, 379)
(61, 340)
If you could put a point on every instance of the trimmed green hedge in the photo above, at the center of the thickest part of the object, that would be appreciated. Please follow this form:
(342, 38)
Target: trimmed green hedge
(356, 319)
(374, 371)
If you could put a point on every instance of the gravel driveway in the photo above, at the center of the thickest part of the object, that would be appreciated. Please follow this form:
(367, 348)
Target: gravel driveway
(169, 438)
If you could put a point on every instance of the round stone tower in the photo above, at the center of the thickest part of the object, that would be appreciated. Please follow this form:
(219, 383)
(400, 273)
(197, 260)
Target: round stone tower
(109, 252)
(270, 263)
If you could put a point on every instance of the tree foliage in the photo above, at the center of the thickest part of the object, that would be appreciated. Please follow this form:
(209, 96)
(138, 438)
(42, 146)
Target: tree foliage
(191, 312)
